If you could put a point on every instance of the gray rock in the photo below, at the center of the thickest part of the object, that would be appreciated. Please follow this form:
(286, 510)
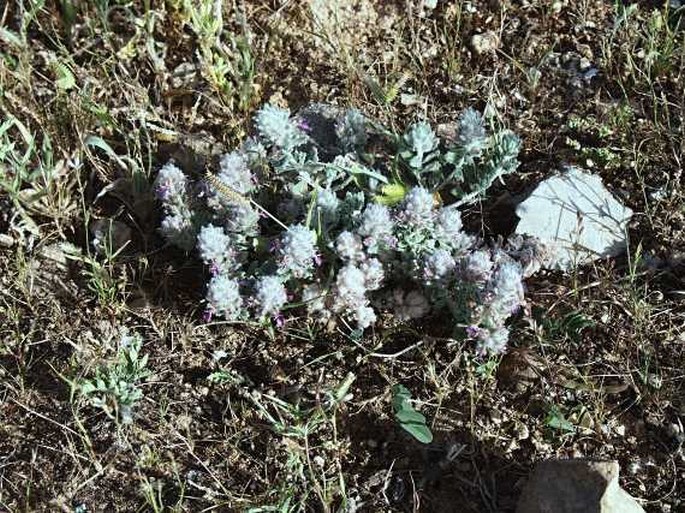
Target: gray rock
(576, 486)
(576, 217)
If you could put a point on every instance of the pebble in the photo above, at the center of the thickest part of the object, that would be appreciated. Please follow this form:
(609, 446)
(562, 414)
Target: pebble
(484, 43)
(6, 241)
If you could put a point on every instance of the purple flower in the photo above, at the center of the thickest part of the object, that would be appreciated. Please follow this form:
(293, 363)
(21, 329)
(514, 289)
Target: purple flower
(163, 192)
(303, 125)
(473, 331)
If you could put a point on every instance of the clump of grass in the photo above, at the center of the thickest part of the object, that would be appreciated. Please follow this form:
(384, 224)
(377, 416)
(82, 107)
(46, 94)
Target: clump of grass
(227, 58)
(310, 441)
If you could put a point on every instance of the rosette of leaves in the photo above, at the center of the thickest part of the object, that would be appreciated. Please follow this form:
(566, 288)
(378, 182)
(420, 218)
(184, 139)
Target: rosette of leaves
(115, 386)
(464, 164)
(420, 151)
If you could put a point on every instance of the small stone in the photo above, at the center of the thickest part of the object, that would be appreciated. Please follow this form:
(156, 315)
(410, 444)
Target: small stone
(484, 43)
(6, 241)
(576, 486)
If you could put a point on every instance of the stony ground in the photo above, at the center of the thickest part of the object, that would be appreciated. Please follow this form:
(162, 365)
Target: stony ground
(95, 96)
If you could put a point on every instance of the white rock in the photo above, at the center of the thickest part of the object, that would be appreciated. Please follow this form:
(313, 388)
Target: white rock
(576, 216)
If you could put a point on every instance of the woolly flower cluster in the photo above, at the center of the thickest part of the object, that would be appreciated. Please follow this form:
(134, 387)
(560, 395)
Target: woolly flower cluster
(296, 220)
(418, 206)
(298, 251)
(178, 224)
(501, 296)
(235, 172)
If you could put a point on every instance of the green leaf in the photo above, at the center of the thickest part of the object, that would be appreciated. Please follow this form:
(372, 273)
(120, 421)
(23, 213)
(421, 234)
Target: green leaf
(400, 395)
(391, 194)
(409, 419)
(556, 420)
(409, 416)
(65, 78)
(10, 37)
(421, 433)
(98, 142)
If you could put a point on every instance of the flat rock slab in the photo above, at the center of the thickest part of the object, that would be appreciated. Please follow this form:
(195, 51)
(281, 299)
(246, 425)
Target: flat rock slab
(576, 217)
(576, 486)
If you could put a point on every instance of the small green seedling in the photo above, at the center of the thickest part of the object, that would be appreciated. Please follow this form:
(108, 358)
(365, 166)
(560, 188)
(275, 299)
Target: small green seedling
(115, 387)
(411, 421)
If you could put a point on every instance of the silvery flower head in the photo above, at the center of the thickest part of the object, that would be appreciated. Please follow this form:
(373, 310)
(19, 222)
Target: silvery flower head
(492, 341)
(349, 247)
(449, 230)
(277, 128)
(376, 226)
(418, 206)
(373, 273)
(409, 305)
(241, 218)
(351, 130)
(215, 248)
(438, 266)
(223, 297)
(170, 183)
(365, 316)
(506, 289)
(235, 172)
(477, 266)
(327, 203)
(179, 230)
(298, 251)
(350, 288)
(270, 296)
